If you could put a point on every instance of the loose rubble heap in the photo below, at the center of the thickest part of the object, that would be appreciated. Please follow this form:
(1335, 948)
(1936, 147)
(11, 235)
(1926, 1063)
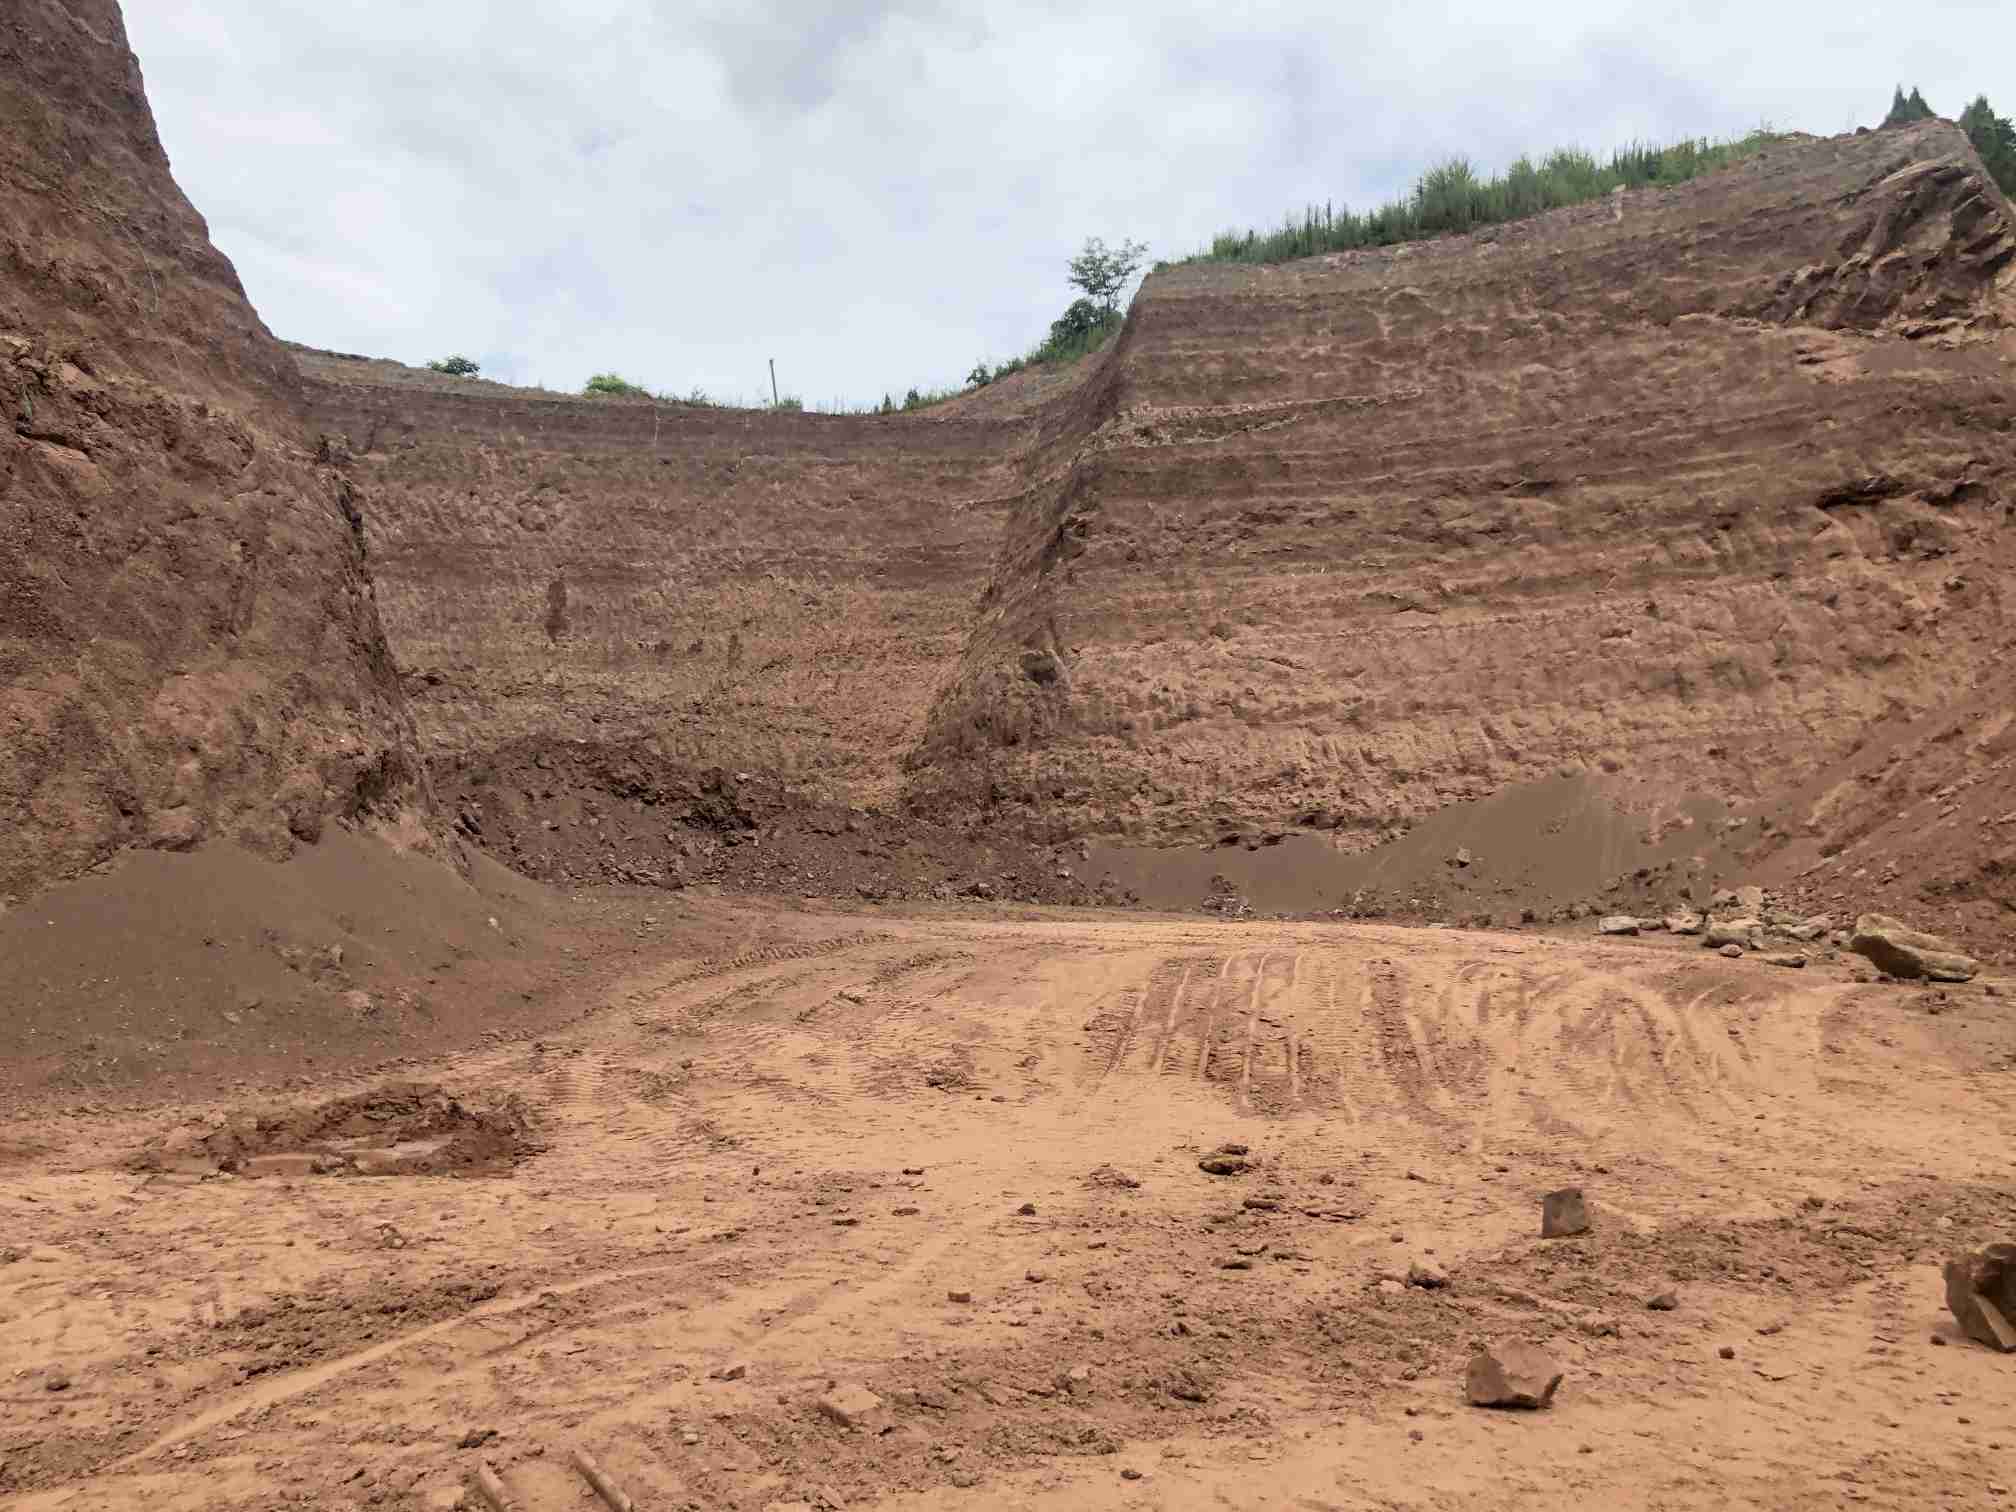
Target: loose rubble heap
(1742, 922)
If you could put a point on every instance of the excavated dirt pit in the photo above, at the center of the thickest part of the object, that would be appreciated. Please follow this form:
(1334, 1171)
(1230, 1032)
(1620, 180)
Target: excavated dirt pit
(405, 1129)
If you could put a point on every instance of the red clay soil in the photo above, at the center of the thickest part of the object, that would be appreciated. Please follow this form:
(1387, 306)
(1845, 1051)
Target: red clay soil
(1577, 557)
(189, 647)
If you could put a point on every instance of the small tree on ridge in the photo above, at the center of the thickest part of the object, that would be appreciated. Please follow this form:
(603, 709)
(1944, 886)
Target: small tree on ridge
(1102, 271)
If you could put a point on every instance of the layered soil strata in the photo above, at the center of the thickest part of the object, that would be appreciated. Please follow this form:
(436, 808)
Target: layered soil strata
(1692, 484)
(774, 591)
(189, 646)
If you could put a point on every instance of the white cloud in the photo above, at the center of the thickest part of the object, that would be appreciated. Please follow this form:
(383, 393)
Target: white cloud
(877, 195)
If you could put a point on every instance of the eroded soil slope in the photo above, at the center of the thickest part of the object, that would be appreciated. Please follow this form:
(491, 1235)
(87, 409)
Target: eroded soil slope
(752, 590)
(1690, 485)
(189, 648)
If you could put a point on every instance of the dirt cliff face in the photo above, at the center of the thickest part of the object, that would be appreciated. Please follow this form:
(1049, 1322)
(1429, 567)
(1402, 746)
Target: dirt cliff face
(1691, 484)
(780, 592)
(188, 642)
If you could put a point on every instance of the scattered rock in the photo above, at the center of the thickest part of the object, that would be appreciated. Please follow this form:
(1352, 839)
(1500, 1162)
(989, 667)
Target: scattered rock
(476, 1438)
(1035, 1277)
(282, 1165)
(1727, 1351)
(1618, 924)
(1731, 952)
(1427, 1275)
(1898, 950)
(1981, 1292)
(1462, 856)
(854, 1406)
(1224, 1165)
(1563, 1213)
(1512, 1375)
(1791, 958)
(57, 1382)
(733, 1372)
(1664, 1301)
(1683, 923)
(1750, 900)
(1744, 933)
(1186, 1385)
(1027, 1210)
(959, 1296)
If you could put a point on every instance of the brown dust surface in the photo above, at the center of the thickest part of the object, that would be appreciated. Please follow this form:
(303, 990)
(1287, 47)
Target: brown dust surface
(953, 1159)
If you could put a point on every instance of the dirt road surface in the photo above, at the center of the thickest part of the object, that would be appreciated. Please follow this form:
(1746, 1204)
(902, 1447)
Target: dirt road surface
(952, 1161)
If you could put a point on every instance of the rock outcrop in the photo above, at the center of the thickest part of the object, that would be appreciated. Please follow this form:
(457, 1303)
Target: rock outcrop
(188, 635)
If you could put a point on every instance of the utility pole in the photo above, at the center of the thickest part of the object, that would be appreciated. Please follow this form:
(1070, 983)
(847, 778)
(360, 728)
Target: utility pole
(773, 383)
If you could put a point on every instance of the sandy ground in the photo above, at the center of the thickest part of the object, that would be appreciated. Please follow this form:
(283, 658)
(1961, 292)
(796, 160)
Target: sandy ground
(954, 1161)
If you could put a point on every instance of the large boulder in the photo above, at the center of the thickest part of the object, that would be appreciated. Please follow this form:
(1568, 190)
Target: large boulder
(1896, 948)
(1618, 924)
(1981, 1291)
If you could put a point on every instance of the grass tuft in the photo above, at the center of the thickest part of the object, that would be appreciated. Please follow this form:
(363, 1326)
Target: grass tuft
(1450, 198)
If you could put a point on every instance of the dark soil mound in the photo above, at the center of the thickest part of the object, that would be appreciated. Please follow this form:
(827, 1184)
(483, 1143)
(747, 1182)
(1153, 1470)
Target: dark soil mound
(402, 1129)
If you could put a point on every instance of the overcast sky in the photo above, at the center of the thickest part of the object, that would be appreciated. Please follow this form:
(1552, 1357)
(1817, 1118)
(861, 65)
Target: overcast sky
(879, 194)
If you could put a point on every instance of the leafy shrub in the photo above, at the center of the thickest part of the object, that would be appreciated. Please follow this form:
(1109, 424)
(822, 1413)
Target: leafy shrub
(1994, 138)
(615, 383)
(456, 366)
